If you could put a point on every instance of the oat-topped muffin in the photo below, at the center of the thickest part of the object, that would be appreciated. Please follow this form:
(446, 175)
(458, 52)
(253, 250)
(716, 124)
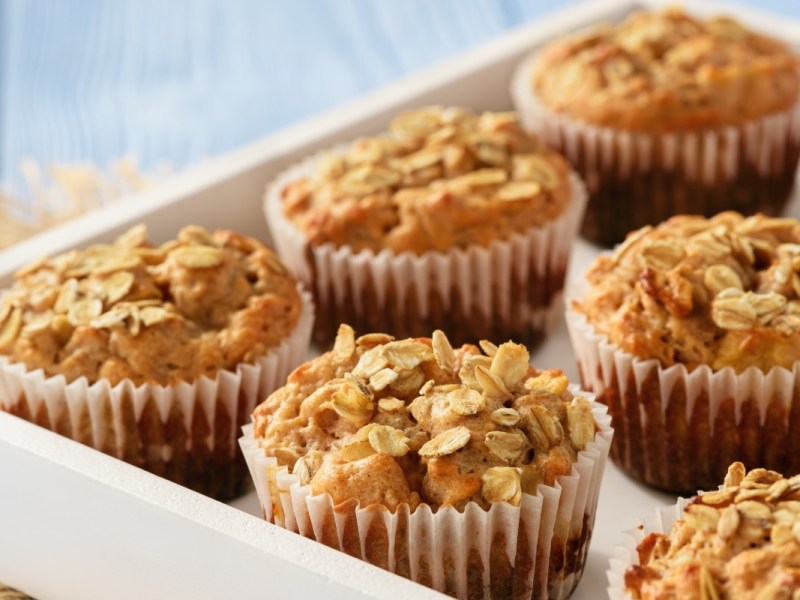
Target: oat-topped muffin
(395, 232)
(387, 421)
(150, 314)
(666, 70)
(738, 543)
(666, 113)
(720, 292)
(154, 354)
(690, 332)
(440, 178)
(447, 466)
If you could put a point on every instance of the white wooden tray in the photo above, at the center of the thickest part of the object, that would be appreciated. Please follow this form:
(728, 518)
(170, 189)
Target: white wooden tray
(75, 523)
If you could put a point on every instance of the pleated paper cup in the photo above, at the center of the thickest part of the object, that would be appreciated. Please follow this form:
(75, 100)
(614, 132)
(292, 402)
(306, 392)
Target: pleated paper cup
(512, 288)
(186, 432)
(626, 555)
(679, 430)
(535, 550)
(640, 178)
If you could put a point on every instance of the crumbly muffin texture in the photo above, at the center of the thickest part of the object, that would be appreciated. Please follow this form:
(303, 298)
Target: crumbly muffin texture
(741, 542)
(150, 314)
(666, 70)
(390, 422)
(723, 292)
(441, 178)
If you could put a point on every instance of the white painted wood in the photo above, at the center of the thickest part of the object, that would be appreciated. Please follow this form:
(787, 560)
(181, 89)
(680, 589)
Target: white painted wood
(75, 523)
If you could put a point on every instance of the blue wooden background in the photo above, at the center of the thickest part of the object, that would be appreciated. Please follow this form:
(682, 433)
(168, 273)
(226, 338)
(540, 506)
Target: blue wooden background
(178, 80)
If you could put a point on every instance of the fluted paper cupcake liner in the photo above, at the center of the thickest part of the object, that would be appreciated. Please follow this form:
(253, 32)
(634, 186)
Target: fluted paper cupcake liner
(678, 430)
(535, 550)
(639, 178)
(625, 555)
(509, 289)
(185, 432)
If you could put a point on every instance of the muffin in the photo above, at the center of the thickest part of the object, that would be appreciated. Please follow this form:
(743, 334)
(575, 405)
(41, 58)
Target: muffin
(737, 543)
(153, 354)
(690, 333)
(665, 113)
(471, 473)
(449, 220)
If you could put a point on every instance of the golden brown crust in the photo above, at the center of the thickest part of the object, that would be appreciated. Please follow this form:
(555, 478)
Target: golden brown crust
(721, 292)
(402, 422)
(666, 70)
(439, 179)
(165, 315)
(738, 543)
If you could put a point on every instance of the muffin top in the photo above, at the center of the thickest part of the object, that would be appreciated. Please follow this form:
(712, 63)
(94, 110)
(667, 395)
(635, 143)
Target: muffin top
(666, 70)
(738, 543)
(390, 422)
(723, 292)
(151, 314)
(440, 178)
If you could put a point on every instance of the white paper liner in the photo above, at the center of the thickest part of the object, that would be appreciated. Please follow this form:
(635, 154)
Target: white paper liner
(104, 405)
(603, 364)
(446, 537)
(625, 555)
(484, 276)
(706, 156)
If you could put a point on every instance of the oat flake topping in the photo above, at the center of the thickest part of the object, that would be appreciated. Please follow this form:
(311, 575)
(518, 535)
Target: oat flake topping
(439, 178)
(740, 542)
(667, 70)
(388, 421)
(156, 314)
(723, 291)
